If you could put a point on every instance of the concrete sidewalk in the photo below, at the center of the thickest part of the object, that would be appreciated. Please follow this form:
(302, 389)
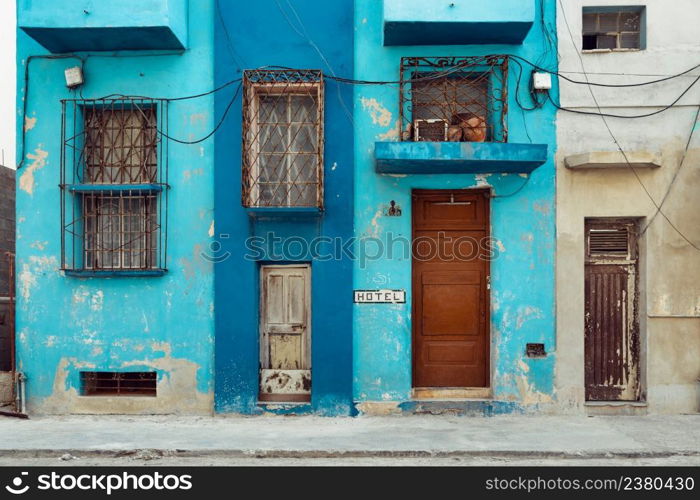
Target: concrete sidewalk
(410, 436)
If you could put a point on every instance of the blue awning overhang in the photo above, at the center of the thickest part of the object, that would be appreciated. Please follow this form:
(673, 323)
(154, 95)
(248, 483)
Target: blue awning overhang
(445, 22)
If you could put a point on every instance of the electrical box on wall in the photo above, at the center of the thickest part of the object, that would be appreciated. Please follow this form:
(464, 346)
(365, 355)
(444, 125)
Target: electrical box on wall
(541, 81)
(74, 77)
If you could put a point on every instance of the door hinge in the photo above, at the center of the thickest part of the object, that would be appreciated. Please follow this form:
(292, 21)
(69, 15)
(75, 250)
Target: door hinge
(488, 282)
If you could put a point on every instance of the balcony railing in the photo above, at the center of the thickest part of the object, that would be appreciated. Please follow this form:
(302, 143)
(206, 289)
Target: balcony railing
(454, 99)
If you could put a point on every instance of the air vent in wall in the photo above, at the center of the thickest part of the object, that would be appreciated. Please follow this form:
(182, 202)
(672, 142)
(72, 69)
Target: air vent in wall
(608, 241)
(118, 383)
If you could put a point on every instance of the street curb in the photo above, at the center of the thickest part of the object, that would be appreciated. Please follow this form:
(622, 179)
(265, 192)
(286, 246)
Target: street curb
(151, 453)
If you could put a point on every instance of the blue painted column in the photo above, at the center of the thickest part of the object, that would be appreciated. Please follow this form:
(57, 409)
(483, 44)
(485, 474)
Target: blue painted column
(304, 34)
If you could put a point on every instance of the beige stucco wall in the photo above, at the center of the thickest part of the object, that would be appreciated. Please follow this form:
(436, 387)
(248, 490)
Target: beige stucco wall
(669, 267)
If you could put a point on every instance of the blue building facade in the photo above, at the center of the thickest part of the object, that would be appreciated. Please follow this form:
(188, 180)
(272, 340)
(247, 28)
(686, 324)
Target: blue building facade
(115, 299)
(289, 229)
(458, 137)
(226, 175)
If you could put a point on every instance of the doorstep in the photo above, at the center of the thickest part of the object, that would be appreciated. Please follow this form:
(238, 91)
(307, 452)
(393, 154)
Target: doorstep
(450, 393)
(615, 408)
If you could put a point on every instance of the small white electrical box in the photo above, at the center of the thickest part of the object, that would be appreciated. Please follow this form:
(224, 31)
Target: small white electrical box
(74, 77)
(541, 81)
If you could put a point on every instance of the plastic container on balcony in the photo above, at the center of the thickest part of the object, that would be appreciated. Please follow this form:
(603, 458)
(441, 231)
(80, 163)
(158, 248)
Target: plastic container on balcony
(100, 25)
(454, 22)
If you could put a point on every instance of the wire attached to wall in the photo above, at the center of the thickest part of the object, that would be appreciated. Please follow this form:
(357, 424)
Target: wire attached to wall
(617, 143)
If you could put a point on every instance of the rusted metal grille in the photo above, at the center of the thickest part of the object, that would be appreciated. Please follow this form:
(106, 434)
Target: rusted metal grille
(456, 99)
(608, 241)
(120, 231)
(118, 383)
(121, 144)
(114, 184)
(282, 138)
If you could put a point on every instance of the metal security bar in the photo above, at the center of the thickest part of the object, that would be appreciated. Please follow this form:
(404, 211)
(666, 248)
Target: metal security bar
(114, 184)
(454, 99)
(282, 138)
(119, 383)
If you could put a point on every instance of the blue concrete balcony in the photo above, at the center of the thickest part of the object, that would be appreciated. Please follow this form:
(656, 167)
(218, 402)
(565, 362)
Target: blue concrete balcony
(458, 157)
(454, 22)
(89, 25)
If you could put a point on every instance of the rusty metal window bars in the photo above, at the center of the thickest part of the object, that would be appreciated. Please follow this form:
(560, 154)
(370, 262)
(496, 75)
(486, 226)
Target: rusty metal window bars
(455, 99)
(119, 383)
(114, 185)
(282, 138)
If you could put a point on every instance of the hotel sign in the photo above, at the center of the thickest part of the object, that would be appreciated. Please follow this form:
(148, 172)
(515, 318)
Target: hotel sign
(379, 296)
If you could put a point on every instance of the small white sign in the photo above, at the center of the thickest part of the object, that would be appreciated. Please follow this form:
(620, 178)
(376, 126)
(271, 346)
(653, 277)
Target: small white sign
(380, 296)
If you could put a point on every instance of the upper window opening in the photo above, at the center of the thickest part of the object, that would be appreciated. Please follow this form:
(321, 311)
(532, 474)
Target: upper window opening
(120, 145)
(613, 28)
(114, 185)
(454, 99)
(283, 138)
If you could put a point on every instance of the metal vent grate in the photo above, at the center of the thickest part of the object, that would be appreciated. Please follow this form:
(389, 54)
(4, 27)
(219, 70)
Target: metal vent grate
(118, 383)
(609, 241)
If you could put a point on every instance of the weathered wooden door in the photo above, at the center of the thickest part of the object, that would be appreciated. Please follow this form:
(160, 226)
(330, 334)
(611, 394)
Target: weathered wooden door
(450, 288)
(611, 316)
(285, 333)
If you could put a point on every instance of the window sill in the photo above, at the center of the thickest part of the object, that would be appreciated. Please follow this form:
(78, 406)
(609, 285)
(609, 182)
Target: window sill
(117, 273)
(102, 188)
(258, 212)
(605, 51)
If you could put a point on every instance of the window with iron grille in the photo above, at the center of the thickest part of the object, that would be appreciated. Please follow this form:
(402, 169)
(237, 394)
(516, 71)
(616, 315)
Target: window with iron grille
(455, 99)
(613, 28)
(114, 185)
(283, 138)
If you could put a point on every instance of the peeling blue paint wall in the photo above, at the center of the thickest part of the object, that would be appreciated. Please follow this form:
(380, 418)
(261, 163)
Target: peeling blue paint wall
(166, 324)
(304, 34)
(522, 219)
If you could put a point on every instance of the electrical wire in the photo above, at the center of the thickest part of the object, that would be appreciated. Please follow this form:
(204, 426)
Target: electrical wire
(617, 143)
(678, 170)
(25, 91)
(560, 74)
(207, 136)
(611, 115)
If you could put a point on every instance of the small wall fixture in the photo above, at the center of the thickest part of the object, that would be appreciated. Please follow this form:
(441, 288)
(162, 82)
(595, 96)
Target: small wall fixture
(535, 351)
(74, 77)
(541, 81)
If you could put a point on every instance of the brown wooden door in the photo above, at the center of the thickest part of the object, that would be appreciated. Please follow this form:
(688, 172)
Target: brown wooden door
(450, 288)
(611, 318)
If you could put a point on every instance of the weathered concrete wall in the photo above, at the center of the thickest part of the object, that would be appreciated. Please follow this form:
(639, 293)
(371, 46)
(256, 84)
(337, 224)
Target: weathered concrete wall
(166, 324)
(670, 290)
(522, 277)
(7, 245)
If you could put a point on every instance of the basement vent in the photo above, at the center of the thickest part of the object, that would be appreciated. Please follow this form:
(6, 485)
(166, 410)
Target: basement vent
(118, 383)
(608, 241)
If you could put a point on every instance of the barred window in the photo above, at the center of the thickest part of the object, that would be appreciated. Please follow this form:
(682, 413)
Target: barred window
(120, 231)
(113, 186)
(121, 145)
(456, 99)
(283, 139)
